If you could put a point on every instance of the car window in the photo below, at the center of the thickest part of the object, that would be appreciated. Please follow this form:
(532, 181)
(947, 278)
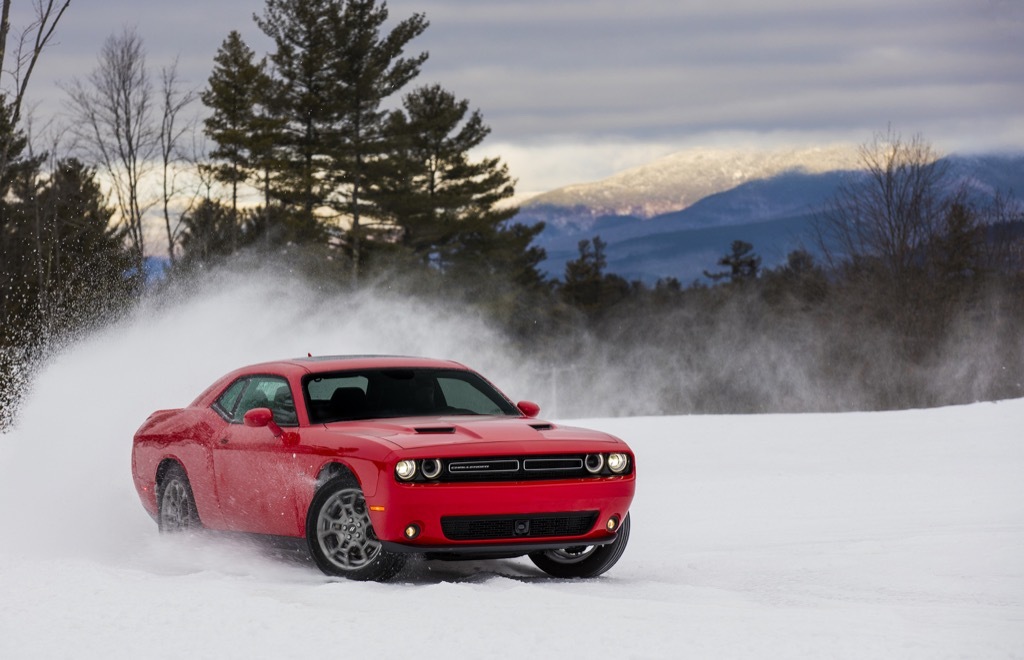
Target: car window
(226, 403)
(388, 393)
(332, 398)
(465, 397)
(268, 392)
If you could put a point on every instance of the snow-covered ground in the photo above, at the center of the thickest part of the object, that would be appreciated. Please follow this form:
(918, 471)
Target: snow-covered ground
(872, 535)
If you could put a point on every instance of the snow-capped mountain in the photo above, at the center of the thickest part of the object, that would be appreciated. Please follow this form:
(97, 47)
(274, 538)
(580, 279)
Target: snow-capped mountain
(677, 181)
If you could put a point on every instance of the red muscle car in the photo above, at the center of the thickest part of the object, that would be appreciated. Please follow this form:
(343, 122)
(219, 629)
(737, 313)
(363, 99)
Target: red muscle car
(372, 458)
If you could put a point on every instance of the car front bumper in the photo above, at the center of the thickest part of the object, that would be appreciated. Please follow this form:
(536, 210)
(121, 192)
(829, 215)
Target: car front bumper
(496, 506)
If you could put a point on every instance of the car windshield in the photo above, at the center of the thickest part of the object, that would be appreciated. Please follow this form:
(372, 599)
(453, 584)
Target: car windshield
(385, 393)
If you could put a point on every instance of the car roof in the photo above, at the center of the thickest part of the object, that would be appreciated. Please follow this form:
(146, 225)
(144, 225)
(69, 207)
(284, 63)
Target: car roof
(297, 368)
(329, 363)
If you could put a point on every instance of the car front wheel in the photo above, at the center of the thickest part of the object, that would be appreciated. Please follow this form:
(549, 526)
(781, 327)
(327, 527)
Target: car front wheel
(583, 561)
(341, 538)
(176, 506)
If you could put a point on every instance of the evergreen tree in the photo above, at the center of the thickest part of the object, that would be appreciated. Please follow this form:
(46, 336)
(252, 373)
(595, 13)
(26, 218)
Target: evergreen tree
(799, 281)
(87, 267)
(212, 232)
(333, 69)
(63, 268)
(743, 264)
(369, 67)
(587, 287)
(238, 90)
(304, 93)
(19, 237)
(447, 209)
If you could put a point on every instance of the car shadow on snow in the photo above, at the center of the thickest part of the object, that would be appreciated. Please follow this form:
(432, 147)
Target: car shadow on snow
(417, 571)
(421, 571)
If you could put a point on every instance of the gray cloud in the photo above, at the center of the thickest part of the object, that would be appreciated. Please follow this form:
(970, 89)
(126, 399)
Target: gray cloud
(656, 71)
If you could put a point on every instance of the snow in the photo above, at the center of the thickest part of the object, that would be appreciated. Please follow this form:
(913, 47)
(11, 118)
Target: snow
(868, 535)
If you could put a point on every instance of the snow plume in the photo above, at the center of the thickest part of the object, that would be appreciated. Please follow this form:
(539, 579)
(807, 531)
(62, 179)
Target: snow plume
(87, 401)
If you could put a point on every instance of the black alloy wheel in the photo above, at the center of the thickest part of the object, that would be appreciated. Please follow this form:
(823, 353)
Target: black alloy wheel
(583, 561)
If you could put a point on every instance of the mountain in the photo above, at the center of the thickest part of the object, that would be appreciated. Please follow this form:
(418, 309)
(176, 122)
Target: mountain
(709, 199)
(677, 181)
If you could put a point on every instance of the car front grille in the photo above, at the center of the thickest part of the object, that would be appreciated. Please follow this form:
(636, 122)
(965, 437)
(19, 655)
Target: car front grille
(486, 528)
(516, 468)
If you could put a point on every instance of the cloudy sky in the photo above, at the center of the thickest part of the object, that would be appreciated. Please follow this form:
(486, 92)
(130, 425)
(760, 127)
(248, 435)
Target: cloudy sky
(575, 90)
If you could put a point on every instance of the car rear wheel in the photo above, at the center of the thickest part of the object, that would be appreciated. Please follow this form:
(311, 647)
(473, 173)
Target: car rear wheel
(176, 506)
(341, 537)
(583, 561)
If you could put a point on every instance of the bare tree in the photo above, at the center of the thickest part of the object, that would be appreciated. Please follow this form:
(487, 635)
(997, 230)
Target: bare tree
(172, 130)
(113, 121)
(888, 214)
(31, 43)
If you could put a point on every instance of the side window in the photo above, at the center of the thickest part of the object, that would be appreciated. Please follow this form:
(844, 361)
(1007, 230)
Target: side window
(226, 403)
(462, 395)
(268, 392)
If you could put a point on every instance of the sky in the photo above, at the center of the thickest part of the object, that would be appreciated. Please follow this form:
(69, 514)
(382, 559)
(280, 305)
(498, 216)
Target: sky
(577, 90)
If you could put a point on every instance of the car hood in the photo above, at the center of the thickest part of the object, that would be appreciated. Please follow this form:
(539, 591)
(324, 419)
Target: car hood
(505, 433)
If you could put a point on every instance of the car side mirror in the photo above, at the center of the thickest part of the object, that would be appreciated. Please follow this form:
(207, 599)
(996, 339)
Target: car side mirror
(262, 417)
(528, 408)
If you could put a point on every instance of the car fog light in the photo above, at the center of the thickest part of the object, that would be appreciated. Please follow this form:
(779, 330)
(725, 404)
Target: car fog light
(594, 463)
(412, 531)
(617, 463)
(405, 470)
(430, 468)
(612, 523)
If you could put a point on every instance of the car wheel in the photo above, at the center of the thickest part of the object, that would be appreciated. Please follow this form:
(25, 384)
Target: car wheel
(341, 538)
(583, 561)
(176, 506)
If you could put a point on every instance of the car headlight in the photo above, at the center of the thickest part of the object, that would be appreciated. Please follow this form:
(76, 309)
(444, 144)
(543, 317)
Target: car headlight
(618, 463)
(431, 467)
(405, 470)
(594, 463)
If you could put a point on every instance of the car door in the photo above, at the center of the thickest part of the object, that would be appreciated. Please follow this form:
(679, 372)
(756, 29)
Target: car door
(255, 470)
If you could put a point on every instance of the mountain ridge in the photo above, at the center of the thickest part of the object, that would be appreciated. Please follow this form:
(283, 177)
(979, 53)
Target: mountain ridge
(771, 212)
(677, 181)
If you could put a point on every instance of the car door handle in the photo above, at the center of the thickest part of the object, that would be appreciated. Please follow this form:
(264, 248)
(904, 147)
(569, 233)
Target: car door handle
(223, 441)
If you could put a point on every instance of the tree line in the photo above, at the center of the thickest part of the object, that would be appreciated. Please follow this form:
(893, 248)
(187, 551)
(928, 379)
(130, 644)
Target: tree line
(360, 176)
(909, 293)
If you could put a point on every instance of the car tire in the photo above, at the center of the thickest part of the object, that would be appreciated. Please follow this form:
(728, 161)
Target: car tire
(341, 537)
(176, 506)
(583, 561)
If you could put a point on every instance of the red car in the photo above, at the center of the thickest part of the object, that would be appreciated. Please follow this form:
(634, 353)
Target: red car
(373, 458)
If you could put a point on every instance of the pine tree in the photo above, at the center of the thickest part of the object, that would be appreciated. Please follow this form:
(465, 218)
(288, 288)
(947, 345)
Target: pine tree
(238, 90)
(440, 200)
(369, 68)
(587, 287)
(304, 94)
(333, 69)
(743, 264)
(67, 267)
(63, 267)
(19, 242)
(212, 232)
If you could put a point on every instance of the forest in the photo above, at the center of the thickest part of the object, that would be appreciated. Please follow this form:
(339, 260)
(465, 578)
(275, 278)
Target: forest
(324, 156)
